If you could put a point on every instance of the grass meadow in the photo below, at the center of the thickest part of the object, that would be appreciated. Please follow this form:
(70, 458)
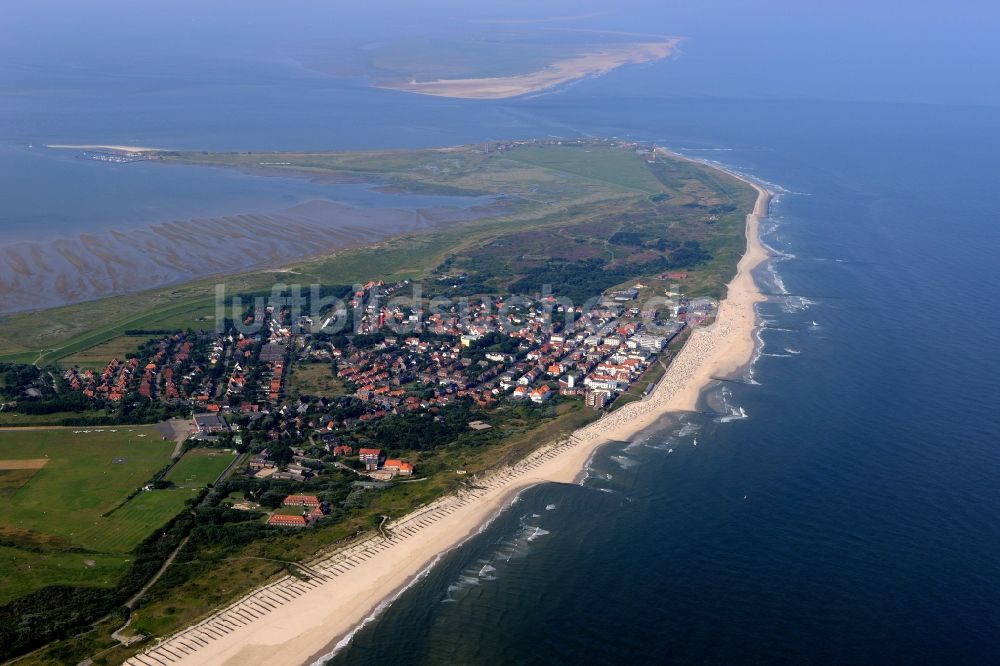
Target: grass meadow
(65, 522)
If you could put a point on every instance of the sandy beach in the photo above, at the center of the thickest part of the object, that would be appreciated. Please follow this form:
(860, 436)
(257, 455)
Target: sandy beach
(292, 622)
(559, 72)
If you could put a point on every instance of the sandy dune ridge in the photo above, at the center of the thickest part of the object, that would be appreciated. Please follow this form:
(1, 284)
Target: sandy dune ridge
(292, 621)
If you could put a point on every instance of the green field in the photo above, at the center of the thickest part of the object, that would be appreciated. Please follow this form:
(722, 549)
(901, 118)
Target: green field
(89, 472)
(25, 571)
(315, 379)
(58, 508)
(52, 520)
(12, 480)
(199, 467)
(149, 510)
(97, 357)
(13, 419)
(617, 167)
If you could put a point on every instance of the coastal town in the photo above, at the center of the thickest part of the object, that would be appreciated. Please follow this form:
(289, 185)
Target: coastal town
(532, 351)
(484, 354)
(722, 347)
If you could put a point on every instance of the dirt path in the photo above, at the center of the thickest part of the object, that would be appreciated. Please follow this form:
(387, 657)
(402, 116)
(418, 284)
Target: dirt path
(128, 640)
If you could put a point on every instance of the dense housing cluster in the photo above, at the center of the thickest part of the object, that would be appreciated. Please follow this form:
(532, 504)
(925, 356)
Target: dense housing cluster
(395, 361)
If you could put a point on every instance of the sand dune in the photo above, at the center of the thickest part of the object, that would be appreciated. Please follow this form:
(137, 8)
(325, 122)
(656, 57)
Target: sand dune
(291, 621)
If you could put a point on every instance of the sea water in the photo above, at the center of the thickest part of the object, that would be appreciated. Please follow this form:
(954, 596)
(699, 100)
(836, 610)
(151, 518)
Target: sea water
(841, 502)
(838, 503)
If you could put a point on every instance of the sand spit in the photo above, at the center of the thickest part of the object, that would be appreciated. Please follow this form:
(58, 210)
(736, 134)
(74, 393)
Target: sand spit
(293, 621)
(562, 71)
(102, 147)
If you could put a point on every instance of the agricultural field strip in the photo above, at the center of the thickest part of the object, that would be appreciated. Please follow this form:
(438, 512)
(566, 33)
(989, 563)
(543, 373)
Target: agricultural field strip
(30, 463)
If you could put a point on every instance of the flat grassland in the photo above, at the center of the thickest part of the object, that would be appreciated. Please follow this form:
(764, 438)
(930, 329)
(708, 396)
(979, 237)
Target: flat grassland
(616, 167)
(64, 521)
(26, 571)
(89, 472)
(57, 509)
(315, 379)
(15, 473)
(9, 419)
(97, 357)
(200, 467)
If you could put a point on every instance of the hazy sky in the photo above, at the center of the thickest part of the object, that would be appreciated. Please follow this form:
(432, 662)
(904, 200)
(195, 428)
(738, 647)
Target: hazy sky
(887, 51)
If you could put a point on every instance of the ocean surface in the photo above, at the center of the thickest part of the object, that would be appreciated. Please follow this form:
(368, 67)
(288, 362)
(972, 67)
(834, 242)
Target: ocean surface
(58, 193)
(837, 503)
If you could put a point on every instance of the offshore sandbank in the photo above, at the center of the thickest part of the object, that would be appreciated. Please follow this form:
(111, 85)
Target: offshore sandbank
(559, 72)
(111, 147)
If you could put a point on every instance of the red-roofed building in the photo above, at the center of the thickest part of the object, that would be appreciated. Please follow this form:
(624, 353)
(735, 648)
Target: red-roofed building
(370, 457)
(541, 394)
(301, 500)
(399, 466)
(287, 521)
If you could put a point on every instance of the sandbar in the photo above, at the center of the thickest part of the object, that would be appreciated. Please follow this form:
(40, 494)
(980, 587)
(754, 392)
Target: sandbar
(562, 71)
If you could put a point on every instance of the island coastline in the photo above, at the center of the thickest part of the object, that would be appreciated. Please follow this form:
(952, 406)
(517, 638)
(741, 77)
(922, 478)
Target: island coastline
(292, 621)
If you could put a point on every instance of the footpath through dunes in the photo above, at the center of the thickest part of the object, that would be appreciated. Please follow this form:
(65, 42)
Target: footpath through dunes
(293, 621)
